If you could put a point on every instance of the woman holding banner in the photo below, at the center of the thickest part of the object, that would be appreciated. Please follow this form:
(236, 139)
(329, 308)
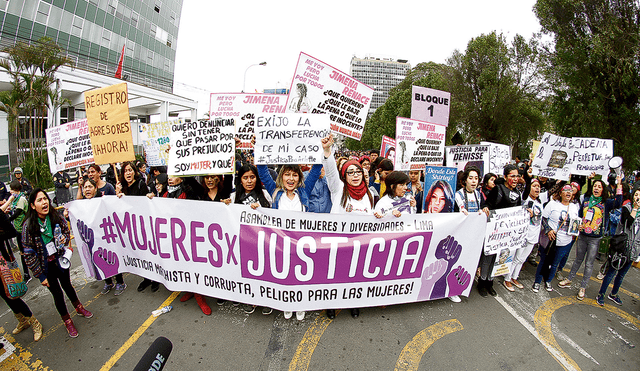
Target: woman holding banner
(594, 211)
(397, 198)
(105, 189)
(290, 191)
(349, 192)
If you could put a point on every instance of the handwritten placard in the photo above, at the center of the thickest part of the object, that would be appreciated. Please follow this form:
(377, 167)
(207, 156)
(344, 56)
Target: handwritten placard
(290, 138)
(499, 156)
(419, 144)
(472, 155)
(109, 127)
(69, 145)
(506, 229)
(202, 147)
(155, 140)
(430, 105)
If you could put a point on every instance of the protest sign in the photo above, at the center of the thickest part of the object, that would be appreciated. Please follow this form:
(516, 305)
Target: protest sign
(69, 145)
(472, 155)
(499, 156)
(419, 143)
(319, 88)
(440, 187)
(244, 108)
(430, 105)
(155, 140)
(291, 138)
(285, 260)
(109, 127)
(559, 157)
(503, 263)
(388, 148)
(202, 147)
(506, 229)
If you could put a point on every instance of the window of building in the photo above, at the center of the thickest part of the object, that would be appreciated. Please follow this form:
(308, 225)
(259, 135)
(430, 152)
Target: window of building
(43, 12)
(157, 6)
(150, 57)
(94, 2)
(160, 34)
(173, 17)
(102, 68)
(134, 19)
(169, 40)
(3, 4)
(130, 48)
(106, 38)
(153, 30)
(76, 29)
(112, 6)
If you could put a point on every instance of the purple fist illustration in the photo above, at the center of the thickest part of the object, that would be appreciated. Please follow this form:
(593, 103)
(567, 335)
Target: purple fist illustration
(449, 250)
(458, 280)
(107, 261)
(86, 234)
(430, 275)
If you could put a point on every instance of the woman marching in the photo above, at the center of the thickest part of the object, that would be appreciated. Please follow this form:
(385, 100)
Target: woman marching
(349, 192)
(44, 237)
(394, 200)
(594, 211)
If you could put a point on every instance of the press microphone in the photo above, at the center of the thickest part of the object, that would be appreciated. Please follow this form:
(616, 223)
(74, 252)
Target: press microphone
(156, 356)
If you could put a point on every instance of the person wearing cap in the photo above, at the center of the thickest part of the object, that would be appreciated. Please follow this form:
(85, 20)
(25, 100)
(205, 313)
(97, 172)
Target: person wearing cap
(26, 186)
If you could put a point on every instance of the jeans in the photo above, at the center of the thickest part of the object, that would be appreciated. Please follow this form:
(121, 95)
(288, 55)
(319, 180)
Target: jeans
(486, 266)
(617, 282)
(561, 252)
(585, 246)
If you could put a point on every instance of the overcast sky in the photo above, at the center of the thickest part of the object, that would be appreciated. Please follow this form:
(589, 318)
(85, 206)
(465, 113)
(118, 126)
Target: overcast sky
(219, 40)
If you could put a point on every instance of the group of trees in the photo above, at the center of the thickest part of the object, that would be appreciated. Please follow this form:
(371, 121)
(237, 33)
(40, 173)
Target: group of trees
(585, 82)
(34, 90)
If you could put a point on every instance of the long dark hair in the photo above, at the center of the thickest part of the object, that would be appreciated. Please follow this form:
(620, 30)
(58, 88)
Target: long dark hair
(605, 191)
(257, 190)
(392, 181)
(31, 221)
(136, 176)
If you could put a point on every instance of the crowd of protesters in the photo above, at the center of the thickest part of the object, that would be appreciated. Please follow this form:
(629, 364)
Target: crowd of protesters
(358, 182)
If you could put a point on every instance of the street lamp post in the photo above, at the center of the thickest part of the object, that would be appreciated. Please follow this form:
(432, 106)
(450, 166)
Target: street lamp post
(245, 73)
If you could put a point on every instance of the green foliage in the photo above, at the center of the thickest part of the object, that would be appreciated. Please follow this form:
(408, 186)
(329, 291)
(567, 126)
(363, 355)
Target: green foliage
(36, 170)
(594, 71)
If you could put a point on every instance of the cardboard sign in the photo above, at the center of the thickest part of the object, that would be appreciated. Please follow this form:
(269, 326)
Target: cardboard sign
(439, 189)
(320, 88)
(388, 148)
(155, 140)
(506, 229)
(244, 108)
(499, 156)
(202, 147)
(290, 138)
(430, 105)
(418, 144)
(472, 155)
(109, 127)
(69, 145)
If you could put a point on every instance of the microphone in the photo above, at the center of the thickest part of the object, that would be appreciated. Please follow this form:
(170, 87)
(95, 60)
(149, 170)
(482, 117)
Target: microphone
(156, 356)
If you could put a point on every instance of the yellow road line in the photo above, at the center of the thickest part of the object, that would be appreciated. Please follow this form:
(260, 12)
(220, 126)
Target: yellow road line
(626, 292)
(542, 321)
(412, 352)
(21, 360)
(302, 357)
(136, 335)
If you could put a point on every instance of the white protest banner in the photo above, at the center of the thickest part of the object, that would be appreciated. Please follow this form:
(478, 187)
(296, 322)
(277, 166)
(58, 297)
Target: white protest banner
(430, 105)
(244, 108)
(285, 260)
(499, 156)
(506, 229)
(202, 147)
(319, 88)
(559, 157)
(388, 148)
(69, 145)
(472, 155)
(291, 138)
(419, 144)
(155, 139)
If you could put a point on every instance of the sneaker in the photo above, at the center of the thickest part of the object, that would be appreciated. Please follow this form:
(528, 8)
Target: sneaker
(535, 287)
(288, 315)
(455, 298)
(559, 276)
(548, 287)
(155, 286)
(564, 283)
(144, 284)
(615, 299)
(600, 300)
(235, 303)
(491, 290)
(107, 287)
(580, 295)
(82, 312)
(517, 283)
(267, 311)
(71, 329)
(331, 313)
(600, 276)
(186, 296)
(202, 303)
(248, 309)
(220, 301)
(120, 288)
(300, 315)
(508, 286)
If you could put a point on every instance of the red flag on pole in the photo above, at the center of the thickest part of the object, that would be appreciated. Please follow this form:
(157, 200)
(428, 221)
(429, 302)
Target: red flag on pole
(119, 70)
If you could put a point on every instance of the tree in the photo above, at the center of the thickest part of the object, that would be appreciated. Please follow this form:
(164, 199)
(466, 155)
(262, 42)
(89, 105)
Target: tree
(594, 70)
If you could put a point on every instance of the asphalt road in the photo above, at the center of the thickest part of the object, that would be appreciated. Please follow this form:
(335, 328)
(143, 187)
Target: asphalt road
(513, 331)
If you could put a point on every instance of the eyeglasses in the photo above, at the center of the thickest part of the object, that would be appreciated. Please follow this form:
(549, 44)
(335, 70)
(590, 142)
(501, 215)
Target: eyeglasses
(355, 172)
(514, 176)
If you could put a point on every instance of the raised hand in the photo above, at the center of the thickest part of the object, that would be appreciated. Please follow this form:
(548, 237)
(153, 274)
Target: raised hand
(458, 280)
(449, 250)
(430, 275)
(107, 261)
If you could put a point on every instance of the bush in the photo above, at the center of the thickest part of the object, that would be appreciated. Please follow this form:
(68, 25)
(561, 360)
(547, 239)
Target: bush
(36, 170)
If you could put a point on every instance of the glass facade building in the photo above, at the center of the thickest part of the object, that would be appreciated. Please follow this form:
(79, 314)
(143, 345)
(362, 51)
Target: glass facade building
(94, 33)
(382, 74)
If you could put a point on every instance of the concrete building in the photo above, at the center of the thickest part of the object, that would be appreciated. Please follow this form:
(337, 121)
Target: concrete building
(382, 74)
(94, 34)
